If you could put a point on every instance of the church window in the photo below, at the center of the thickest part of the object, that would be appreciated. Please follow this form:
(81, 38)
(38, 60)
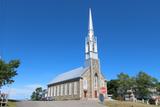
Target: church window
(93, 47)
(88, 46)
(58, 90)
(75, 88)
(61, 89)
(70, 88)
(66, 89)
(85, 84)
(54, 91)
(51, 91)
(95, 81)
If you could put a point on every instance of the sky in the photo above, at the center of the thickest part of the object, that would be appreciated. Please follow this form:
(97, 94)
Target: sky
(48, 37)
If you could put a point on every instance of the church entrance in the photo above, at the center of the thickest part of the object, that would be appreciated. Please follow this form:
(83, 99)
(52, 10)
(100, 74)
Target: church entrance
(85, 94)
(95, 93)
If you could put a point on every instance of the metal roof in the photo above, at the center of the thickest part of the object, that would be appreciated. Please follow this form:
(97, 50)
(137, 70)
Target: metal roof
(75, 73)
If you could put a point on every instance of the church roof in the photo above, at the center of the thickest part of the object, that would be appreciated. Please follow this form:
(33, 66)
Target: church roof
(75, 73)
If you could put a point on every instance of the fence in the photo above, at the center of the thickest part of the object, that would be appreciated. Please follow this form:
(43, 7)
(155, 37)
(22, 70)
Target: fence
(152, 101)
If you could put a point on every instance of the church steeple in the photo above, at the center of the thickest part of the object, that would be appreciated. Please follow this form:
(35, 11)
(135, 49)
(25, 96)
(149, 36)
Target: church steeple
(90, 26)
(91, 41)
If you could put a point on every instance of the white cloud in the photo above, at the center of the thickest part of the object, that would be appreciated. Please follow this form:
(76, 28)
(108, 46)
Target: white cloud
(22, 92)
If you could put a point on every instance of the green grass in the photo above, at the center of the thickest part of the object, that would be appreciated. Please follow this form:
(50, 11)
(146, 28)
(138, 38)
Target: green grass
(126, 104)
(11, 104)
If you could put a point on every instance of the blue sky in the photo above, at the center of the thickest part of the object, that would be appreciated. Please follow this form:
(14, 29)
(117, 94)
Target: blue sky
(48, 37)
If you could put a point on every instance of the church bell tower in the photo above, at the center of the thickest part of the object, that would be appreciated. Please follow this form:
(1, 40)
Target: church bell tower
(92, 60)
(91, 51)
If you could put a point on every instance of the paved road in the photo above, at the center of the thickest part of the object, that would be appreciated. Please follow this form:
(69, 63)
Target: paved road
(59, 104)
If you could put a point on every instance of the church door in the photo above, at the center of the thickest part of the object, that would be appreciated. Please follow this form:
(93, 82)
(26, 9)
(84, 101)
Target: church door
(95, 94)
(85, 94)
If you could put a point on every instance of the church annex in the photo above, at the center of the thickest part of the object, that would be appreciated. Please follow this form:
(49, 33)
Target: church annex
(84, 82)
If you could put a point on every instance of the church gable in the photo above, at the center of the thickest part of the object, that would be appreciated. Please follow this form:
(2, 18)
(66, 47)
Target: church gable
(86, 74)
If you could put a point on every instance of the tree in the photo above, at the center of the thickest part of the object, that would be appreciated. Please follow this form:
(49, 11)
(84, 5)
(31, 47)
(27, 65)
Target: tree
(37, 94)
(158, 88)
(112, 87)
(8, 71)
(125, 82)
(144, 83)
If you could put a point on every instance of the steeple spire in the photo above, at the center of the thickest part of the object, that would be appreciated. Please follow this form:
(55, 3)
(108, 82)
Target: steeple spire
(90, 26)
(91, 41)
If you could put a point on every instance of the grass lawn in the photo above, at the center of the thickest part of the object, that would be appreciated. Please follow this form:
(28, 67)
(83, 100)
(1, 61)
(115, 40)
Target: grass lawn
(126, 104)
(11, 104)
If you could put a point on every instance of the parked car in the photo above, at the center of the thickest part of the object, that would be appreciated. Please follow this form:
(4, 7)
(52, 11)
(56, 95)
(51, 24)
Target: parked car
(48, 99)
(152, 101)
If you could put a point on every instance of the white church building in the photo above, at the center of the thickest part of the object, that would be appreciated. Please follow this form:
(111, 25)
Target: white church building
(84, 82)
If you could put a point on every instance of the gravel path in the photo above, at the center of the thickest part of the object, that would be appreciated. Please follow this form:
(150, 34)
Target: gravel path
(59, 104)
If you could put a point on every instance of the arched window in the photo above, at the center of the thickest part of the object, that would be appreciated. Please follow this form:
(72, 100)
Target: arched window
(85, 84)
(75, 88)
(66, 88)
(93, 47)
(61, 89)
(54, 90)
(70, 88)
(96, 81)
(57, 90)
(88, 46)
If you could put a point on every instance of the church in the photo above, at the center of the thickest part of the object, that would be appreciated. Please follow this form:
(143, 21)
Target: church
(85, 82)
